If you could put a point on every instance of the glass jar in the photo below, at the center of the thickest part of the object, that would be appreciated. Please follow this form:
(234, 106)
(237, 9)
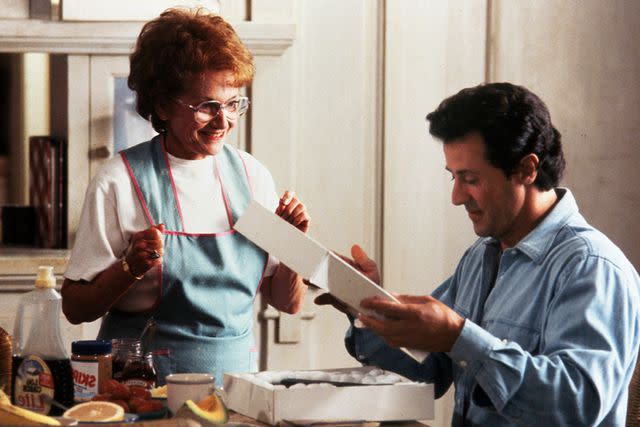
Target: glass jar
(139, 371)
(123, 350)
(91, 364)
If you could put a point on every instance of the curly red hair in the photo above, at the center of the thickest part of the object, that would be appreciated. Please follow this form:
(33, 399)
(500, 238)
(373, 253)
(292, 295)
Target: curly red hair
(177, 45)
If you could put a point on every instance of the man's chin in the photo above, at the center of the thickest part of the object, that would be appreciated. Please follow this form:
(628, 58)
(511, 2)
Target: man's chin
(480, 231)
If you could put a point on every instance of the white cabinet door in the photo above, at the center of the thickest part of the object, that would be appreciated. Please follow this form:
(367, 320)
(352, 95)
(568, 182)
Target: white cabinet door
(114, 122)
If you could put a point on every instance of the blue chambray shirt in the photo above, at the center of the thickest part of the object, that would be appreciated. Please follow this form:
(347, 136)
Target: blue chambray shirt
(554, 343)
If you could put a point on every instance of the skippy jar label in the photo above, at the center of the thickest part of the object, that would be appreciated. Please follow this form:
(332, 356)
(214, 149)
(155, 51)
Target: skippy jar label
(34, 381)
(85, 380)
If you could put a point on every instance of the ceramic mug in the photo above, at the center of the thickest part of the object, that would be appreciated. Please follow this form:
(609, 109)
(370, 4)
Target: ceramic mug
(183, 387)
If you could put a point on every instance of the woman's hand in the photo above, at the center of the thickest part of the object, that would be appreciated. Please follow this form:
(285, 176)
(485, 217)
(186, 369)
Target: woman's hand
(293, 211)
(146, 250)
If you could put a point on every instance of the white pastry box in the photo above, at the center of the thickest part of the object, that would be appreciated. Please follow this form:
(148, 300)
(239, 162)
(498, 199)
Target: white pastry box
(312, 261)
(372, 395)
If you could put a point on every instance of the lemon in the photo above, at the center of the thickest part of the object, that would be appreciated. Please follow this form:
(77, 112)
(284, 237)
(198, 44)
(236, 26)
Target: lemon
(159, 392)
(97, 410)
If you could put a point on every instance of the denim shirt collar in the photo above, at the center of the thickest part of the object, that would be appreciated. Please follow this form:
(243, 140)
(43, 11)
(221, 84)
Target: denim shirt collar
(538, 242)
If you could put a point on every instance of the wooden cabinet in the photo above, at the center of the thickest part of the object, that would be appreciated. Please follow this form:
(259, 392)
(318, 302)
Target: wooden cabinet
(90, 106)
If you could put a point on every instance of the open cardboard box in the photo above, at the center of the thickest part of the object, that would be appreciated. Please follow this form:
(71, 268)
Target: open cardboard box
(311, 260)
(400, 401)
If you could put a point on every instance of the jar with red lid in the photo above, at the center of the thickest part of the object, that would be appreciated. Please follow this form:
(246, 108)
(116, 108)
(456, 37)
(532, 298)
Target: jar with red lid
(139, 371)
(123, 350)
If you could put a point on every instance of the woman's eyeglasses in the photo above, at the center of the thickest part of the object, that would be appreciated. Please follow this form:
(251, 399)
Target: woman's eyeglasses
(206, 111)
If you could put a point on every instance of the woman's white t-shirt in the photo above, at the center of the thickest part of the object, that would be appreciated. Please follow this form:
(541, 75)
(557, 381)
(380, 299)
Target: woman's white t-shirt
(112, 212)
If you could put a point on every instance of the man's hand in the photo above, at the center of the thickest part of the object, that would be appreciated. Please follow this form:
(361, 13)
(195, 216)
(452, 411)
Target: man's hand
(360, 262)
(363, 263)
(420, 322)
(328, 299)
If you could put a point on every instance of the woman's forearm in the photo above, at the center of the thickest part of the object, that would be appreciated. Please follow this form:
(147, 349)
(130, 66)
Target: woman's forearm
(87, 301)
(285, 290)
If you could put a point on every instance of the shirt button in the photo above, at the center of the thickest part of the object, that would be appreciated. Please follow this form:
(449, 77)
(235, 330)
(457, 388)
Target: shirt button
(361, 357)
(463, 364)
(504, 341)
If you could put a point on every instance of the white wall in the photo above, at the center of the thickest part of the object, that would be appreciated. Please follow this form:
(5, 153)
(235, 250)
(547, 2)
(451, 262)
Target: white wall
(321, 142)
(582, 58)
(433, 48)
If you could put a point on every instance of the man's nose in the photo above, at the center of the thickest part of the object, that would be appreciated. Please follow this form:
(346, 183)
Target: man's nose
(458, 195)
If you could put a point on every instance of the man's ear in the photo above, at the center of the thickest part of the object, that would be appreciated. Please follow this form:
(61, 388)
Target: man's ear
(528, 169)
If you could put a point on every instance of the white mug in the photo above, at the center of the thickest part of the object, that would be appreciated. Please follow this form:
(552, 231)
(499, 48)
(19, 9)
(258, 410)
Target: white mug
(183, 387)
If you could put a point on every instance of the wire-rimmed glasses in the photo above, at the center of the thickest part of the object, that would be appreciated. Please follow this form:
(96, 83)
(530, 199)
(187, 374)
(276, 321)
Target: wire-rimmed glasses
(207, 110)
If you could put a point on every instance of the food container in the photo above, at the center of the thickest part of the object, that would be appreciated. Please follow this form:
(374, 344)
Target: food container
(394, 398)
(91, 366)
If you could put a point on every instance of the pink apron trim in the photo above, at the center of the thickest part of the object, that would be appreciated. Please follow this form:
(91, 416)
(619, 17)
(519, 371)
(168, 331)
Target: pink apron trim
(145, 209)
(246, 172)
(227, 205)
(173, 184)
(184, 233)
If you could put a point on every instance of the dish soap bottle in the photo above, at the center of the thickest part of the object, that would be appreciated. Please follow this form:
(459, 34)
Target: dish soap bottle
(41, 364)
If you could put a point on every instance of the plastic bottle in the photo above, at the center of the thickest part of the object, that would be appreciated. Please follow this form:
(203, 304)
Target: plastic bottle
(41, 364)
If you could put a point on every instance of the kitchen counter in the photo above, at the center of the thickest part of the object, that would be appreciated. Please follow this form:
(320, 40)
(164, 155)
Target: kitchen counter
(18, 266)
(238, 420)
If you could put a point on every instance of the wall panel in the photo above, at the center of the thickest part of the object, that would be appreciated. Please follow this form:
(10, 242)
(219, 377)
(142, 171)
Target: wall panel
(433, 49)
(582, 58)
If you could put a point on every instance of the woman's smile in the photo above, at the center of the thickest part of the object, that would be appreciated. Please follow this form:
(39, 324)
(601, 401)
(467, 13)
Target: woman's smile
(213, 135)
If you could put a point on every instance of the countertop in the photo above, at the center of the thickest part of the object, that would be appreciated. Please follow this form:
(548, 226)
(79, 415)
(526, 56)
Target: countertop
(238, 420)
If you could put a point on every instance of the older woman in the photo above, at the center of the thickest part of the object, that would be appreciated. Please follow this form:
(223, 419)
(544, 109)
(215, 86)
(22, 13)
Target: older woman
(155, 244)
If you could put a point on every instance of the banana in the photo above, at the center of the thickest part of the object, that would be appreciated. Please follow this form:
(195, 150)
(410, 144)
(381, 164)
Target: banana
(10, 414)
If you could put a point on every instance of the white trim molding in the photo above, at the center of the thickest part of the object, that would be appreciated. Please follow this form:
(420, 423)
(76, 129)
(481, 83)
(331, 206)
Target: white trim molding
(118, 38)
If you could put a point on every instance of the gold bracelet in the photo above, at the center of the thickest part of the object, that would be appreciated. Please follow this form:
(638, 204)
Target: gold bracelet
(126, 268)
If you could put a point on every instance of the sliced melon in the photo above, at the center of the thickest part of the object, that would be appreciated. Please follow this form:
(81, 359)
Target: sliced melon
(10, 414)
(209, 412)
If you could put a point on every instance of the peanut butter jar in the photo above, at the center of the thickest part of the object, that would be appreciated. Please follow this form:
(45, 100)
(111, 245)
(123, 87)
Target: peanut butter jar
(91, 363)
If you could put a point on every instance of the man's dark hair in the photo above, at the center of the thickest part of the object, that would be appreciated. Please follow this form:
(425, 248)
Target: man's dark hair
(513, 122)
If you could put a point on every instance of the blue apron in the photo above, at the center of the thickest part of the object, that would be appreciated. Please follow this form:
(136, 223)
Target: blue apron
(207, 283)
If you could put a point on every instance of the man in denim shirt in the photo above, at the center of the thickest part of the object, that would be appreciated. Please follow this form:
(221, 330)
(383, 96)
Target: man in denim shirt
(539, 323)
